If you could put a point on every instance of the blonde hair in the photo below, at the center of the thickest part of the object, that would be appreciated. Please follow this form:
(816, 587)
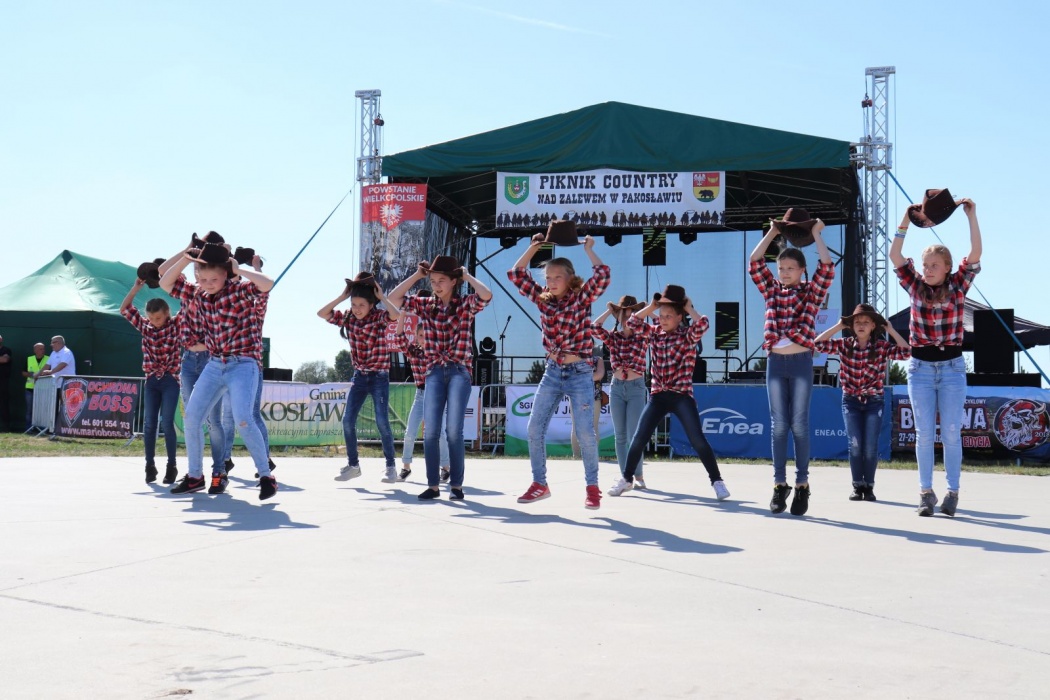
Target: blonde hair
(937, 294)
(575, 281)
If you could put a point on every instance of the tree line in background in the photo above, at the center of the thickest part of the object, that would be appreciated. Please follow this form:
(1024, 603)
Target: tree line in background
(320, 372)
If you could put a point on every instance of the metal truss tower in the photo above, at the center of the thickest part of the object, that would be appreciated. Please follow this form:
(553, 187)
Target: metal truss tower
(874, 156)
(370, 160)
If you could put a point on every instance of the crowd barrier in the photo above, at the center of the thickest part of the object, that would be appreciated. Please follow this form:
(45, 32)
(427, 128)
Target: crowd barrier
(45, 403)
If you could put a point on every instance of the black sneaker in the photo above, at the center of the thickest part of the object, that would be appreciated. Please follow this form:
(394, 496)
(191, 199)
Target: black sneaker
(151, 473)
(189, 484)
(456, 494)
(405, 473)
(780, 495)
(267, 487)
(858, 493)
(219, 482)
(869, 493)
(950, 503)
(272, 467)
(445, 473)
(800, 503)
(229, 466)
(429, 495)
(171, 474)
(927, 501)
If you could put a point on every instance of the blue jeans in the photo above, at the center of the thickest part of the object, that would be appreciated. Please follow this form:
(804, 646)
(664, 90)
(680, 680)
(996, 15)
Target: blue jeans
(415, 419)
(193, 363)
(575, 381)
(236, 376)
(626, 400)
(863, 418)
(789, 380)
(938, 387)
(448, 389)
(227, 422)
(684, 407)
(160, 397)
(363, 385)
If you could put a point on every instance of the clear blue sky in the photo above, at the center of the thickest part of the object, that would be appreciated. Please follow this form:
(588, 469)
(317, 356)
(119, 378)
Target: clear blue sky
(126, 126)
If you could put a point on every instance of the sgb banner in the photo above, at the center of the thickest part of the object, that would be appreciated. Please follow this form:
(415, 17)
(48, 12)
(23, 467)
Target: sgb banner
(559, 441)
(611, 198)
(98, 407)
(392, 221)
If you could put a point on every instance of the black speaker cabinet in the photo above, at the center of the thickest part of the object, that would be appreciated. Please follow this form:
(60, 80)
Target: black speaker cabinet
(993, 348)
(727, 325)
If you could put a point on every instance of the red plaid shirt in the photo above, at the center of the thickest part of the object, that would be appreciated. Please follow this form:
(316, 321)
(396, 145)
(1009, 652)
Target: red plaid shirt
(626, 352)
(191, 323)
(791, 312)
(446, 328)
(228, 320)
(415, 357)
(673, 354)
(368, 346)
(937, 323)
(861, 372)
(565, 322)
(160, 346)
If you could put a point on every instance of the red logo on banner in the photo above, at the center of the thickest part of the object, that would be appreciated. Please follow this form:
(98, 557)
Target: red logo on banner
(389, 205)
(74, 398)
(1022, 424)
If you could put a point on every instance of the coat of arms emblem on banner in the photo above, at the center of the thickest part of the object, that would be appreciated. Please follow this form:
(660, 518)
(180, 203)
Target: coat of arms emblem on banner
(516, 189)
(74, 398)
(706, 186)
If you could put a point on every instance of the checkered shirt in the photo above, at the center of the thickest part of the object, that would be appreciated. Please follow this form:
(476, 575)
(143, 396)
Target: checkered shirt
(415, 357)
(368, 345)
(673, 354)
(791, 312)
(160, 346)
(261, 303)
(565, 323)
(191, 323)
(626, 352)
(859, 374)
(937, 323)
(446, 328)
(228, 320)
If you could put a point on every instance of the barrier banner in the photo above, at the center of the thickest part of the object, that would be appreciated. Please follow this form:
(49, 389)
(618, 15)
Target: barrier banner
(392, 222)
(559, 439)
(611, 198)
(735, 421)
(97, 407)
(998, 423)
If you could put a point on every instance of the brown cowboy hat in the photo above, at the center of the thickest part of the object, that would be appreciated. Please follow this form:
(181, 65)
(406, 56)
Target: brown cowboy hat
(672, 294)
(936, 207)
(445, 265)
(562, 232)
(626, 303)
(797, 226)
(363, 285)
(210, 237)
(244, 256)
(213, 254)
(864, 310)
(149, 272)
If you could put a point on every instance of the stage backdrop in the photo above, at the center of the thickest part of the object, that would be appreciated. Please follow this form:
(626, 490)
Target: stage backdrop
(559, 441)
(611, 198)
(392, 221)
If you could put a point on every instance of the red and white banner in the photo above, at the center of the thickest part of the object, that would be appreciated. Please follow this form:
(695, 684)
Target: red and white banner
(392, 221)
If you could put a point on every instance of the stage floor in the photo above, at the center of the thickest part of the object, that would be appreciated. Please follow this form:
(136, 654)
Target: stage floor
(110, 588)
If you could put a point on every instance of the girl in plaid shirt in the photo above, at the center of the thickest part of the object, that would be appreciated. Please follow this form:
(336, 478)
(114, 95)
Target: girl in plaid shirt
(672, 346)
(791, 309)
(937, 370)
(862, 368)
(565, 313)
(364, 327)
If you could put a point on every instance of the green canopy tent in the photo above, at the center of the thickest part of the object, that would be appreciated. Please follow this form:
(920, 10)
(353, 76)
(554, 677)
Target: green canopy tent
(77, 297)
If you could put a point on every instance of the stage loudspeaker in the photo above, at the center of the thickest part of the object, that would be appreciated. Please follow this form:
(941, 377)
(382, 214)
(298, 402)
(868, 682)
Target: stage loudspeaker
(486, 368)
(700, 371)
(687, 237)
(654, 247)
(727, 325)
(993, 348)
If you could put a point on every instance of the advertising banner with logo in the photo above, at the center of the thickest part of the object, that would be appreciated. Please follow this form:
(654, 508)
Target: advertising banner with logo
(998, 422)
(611, 198)
(559, 439)
(392, 223)
(98, 407)
(312, 414)
(735, 420)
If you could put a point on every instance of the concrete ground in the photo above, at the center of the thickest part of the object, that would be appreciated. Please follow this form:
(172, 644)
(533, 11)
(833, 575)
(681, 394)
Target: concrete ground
(111, 588)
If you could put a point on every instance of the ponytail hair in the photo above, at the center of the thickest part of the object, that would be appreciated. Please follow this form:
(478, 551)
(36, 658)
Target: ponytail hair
(575, 281)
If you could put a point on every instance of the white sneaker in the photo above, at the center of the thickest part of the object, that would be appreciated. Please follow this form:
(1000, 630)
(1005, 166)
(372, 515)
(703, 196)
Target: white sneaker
(347, 473)
(621, 486)
(391, 476)
(721, 491)
(639, 482)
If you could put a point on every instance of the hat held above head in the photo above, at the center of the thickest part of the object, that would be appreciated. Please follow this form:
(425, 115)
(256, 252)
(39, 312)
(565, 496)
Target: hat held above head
(627, 303)
(363, 285)
(149, 272)
(797, 226)
(864, 310)
(673, 295)
(936, 207)
(445, 265)
(244, 256)
(214, 254)
(562, 232)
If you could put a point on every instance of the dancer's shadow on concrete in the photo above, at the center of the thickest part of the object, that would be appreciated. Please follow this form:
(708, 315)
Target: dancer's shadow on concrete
(930, 537)
(250, 483)
(977, 517)
(412, 495)
(227, 513)
(667, 541)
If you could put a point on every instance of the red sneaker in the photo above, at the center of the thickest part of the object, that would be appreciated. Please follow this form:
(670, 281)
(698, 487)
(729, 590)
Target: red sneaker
(594, 498)
(536, 492)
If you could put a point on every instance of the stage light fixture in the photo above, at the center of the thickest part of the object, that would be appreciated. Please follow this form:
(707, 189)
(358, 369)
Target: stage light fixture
(508, 241)
(378, 121)
(612, 239)
(687, 237)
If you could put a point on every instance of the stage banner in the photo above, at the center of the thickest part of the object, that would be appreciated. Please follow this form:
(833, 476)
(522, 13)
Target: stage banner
(392, 223)
(735, 421)
(98, 407)
(998, 423)
(312, 414)
(611, 198)
(559, 440)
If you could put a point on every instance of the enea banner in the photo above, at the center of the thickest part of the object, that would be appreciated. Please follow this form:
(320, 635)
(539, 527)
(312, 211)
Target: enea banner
(998, 422)
(392, 223)
(559, 439)
(611, 198)
(98, 407)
